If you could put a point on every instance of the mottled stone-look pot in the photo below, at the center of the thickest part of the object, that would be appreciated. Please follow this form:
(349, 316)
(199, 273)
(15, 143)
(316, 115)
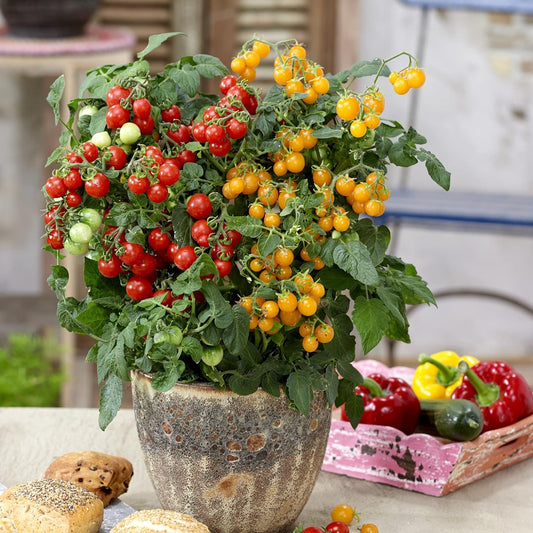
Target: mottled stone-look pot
(239, 464)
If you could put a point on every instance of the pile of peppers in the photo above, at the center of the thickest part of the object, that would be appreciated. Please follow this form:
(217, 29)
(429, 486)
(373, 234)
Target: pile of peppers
(502, 394)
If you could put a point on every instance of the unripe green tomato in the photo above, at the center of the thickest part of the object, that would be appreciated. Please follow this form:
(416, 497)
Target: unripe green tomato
(91, 217)
(213, 355)
(160, 337)
(336, 234)
(102, 139)
(75, 248)
(129, 133)
(88, 110)
(80, 233)
(175, 335)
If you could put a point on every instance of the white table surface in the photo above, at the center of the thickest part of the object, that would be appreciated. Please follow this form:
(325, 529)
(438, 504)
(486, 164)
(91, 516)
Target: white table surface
(31, 438)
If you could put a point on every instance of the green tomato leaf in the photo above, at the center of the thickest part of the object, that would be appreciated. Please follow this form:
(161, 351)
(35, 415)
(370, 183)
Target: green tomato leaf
(371, 318)
(435, 169)
(94, 318)
(245, 384)
(268, 243)
(186, 78)
(353, 257)
(209, 66)
(299, 391)
(375, 238)
(328, 132)
(58, 280)
(236, 335)
(110, 401)
(366, 68)
(154, 41)
(55, 95)
(193, 347)
(246, 225)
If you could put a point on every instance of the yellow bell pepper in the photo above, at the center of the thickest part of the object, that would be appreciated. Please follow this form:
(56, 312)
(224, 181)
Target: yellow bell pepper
(437, 375)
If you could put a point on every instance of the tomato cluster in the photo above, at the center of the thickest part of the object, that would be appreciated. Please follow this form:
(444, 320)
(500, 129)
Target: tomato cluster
(406, 79)
(119, 189)
(228, 119)
(245, 63)
(299, 75)
(342, 515)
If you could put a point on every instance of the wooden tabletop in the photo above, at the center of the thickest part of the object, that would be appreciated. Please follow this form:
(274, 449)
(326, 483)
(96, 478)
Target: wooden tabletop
(31, 438)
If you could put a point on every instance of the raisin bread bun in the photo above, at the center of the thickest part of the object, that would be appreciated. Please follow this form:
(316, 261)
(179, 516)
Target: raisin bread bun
(107, 476)
(50, 505)
(160, 521)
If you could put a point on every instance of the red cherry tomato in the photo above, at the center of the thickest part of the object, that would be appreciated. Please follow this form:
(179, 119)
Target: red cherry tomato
(172, 114)
(185, 257)
(337, 527)
(132, 254)
(55, 187)
(90, 151)
(139, 288)
(116, 94)
(157, 193)
(118, 157)
(146, 125)
(168, 174)
(116, 116)
(110, 268)
(98, 186)
(199, 206)
(142, 108)
(158, 240)
(201, 231)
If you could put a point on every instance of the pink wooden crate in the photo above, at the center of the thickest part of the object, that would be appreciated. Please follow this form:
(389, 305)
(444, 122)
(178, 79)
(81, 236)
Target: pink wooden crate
(421, 462)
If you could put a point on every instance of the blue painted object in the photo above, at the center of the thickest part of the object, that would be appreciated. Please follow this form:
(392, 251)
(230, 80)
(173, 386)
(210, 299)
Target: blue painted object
(460, 210)
(513, 6)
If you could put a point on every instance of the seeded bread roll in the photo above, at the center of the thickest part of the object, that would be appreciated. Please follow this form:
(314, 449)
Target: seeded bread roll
(160, 521)
(106, 475)
(50, 505)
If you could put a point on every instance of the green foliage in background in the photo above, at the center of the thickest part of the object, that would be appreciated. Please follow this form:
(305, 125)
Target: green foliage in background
(30, 372)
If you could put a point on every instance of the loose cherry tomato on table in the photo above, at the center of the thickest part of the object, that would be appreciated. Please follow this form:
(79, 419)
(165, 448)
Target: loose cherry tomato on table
(369, 528)
(343, 513)
(337, 527)
(313, 529)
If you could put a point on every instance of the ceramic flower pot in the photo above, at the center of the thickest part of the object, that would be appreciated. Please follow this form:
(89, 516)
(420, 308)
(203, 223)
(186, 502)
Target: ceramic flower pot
(239, 464)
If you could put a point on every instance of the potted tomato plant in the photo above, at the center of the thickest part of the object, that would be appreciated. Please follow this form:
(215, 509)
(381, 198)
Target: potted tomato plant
(232, 240)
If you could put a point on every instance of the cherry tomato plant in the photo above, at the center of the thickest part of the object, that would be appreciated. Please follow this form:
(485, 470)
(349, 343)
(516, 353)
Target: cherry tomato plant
(243, 220)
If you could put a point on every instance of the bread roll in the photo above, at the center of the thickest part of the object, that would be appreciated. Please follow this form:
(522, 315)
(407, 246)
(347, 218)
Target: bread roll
(160, 521)
(50, 505)
(107, 476)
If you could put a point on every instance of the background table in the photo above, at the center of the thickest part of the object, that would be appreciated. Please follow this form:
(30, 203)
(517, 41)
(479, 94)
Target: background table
(31, 438)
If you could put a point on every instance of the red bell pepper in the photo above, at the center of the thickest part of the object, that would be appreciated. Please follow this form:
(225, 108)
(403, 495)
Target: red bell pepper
(388, 401)
(502, 394)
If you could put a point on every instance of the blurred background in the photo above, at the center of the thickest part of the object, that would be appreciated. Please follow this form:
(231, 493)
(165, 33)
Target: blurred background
(476, 109)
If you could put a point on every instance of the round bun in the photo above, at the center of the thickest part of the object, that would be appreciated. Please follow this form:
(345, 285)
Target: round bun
(47, 505)
(160, 521)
